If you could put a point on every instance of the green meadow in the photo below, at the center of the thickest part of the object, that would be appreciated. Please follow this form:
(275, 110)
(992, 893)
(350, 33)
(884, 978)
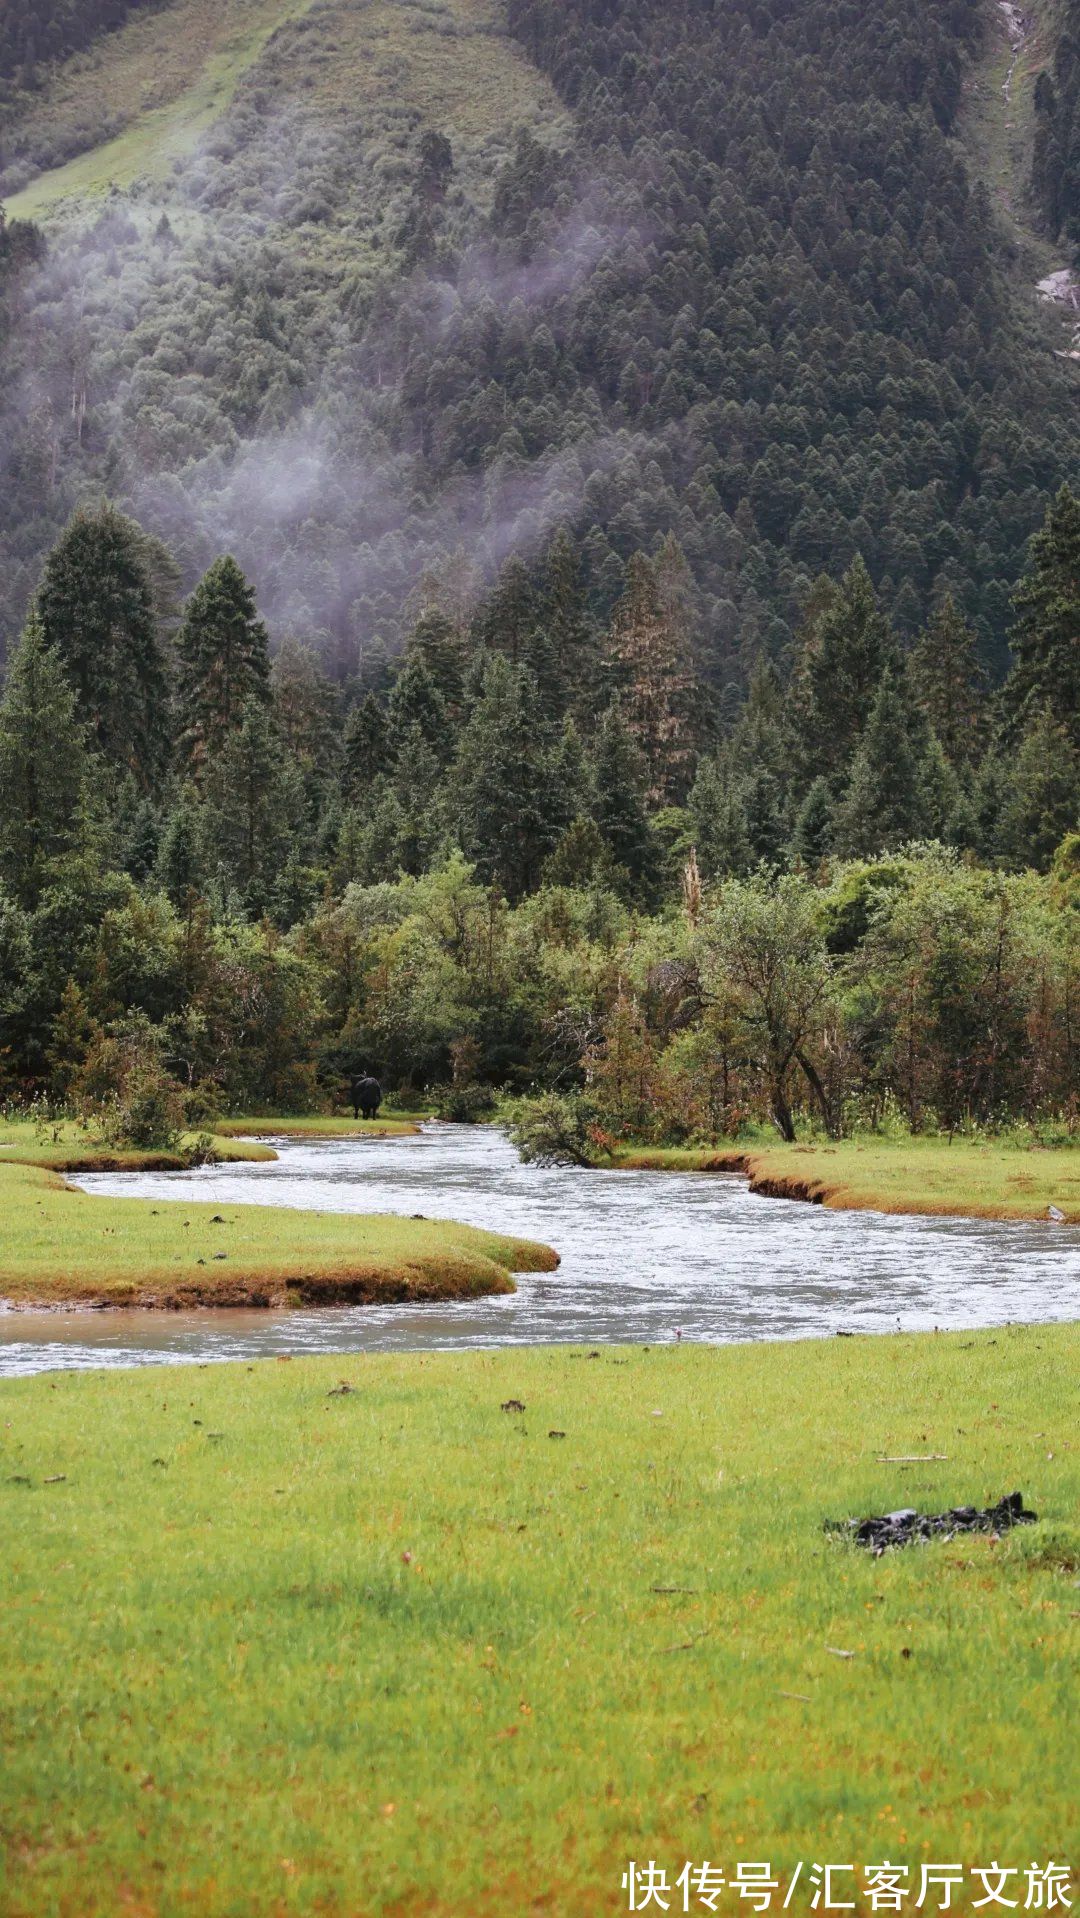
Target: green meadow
(60, 1246)
(277, 1647)
(990, 1179)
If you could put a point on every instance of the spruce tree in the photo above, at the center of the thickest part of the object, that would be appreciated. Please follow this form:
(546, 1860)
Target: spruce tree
(366, 749)
(1046, 635)
(1043, 803)
(570, 633)
(718, 822)
(883, 804)
(502, 805)
(96, 603)
(438, 643)
(619, 778)
(417, 706)
(845, 650)
(812, 838)
(254, 806)
(43, 768)
(179, 870)
(948, 683)
(650, 642)
(224, 663)
(507, 617)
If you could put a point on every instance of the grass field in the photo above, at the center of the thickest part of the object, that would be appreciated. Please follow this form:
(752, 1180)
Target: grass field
(322, 1126)
(977, 1180)
(60, 1246)
(271, 1650)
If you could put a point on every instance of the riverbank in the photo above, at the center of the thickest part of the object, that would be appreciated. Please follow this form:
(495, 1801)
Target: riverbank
(271, 1646)
(965, 1179)
(321, 1126)
(62, 1247)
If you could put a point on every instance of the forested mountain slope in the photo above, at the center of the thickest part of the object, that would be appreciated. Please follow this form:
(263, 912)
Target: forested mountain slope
(443, 277)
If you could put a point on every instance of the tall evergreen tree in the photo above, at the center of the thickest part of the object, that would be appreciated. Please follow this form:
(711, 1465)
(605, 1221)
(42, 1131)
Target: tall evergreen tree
(366, 747)
(505, 621)
(845, 650)
(1046, 635)
(619, 776)
(884, 803)
(438, 643)
(948, 683)
(650, 641)
(224, 663)
(254, 806)
(812, 838)
(570, 633)
(502, 803)
(718, 818)
(417, 705)
(1043, 802)
(96, 603)
(43, 768)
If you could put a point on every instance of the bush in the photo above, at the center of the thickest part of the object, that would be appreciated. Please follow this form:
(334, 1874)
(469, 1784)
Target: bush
(124, 1094)
(463, 1105)
(556, 1129)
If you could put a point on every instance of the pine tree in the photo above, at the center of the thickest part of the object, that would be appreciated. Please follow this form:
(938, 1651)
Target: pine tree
(619, 779)
(224, 663)
(1044, 797)
(417, 706)
(417, 775)
(366, 747)
(44, 768)
(942, 795)
(1046, 635)
(717, 811)
(439, 644)
(812, 838)
(948, 683)
(507, 617)
(650, 642)
(845, 650)
(503, 808)
(180, 866)
(304, 708)
(570, 634)
(254, 806)
(96, 603)
(883, 805)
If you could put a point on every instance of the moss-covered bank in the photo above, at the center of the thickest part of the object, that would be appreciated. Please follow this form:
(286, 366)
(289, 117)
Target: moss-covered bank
(936, 1176)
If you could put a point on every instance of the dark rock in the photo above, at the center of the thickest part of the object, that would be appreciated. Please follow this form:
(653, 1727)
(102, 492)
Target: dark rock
(907, 1526)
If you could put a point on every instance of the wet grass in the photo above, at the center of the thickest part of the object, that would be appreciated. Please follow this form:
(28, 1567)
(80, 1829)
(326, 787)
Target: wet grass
(340, 1125)
(274, 1649)
(963, 1178)
(64, 1247)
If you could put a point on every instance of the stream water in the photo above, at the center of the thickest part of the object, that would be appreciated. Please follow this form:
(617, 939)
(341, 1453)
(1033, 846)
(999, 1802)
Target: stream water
(647, 1257)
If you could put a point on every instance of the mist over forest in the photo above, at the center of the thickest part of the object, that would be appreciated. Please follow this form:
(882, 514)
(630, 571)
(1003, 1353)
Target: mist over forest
(520, 492)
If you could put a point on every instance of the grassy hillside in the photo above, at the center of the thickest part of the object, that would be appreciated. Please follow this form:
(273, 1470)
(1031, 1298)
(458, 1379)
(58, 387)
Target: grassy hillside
(143, 98)
(274, 1648)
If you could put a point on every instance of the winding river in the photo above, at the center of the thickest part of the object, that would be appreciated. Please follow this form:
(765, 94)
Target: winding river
(647, 1257)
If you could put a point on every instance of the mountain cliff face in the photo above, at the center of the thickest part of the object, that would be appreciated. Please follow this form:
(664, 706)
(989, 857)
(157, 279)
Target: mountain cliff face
(352, 290)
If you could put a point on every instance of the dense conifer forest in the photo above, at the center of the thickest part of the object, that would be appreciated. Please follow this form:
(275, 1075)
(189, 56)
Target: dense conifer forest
(539, 861)
(746, 294)
(595, 611)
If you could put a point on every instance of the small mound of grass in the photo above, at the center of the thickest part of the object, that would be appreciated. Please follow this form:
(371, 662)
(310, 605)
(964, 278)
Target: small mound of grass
(64, 1247)
(964, 1178)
